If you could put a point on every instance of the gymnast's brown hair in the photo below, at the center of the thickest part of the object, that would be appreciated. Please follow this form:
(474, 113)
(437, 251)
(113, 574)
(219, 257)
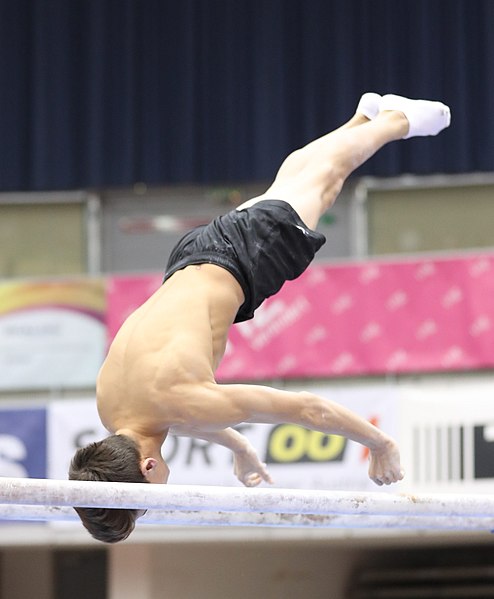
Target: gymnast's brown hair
(114, 459)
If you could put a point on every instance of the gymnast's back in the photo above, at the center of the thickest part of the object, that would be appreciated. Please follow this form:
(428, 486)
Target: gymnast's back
(175, 339)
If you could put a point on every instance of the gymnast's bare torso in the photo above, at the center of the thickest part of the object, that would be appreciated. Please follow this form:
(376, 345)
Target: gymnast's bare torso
(168, 350)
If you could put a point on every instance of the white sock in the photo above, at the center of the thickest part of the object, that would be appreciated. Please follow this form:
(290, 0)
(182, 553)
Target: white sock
(369, 105)
(424, 116)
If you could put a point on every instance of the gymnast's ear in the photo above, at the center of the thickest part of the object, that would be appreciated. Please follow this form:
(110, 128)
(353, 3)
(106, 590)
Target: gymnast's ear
(148, 465)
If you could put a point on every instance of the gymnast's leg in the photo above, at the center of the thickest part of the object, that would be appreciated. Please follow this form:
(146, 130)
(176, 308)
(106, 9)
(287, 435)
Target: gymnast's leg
(311, 178)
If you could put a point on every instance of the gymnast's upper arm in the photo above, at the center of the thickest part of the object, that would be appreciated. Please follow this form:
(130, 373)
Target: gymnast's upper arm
(228, 405)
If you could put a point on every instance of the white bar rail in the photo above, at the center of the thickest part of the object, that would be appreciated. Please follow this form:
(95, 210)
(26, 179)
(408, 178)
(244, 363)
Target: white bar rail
(44, 499)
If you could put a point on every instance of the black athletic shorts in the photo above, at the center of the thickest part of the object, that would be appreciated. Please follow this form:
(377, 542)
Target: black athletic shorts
(262, 246)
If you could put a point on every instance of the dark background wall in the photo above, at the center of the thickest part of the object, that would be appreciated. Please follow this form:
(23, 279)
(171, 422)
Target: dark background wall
(101, 93)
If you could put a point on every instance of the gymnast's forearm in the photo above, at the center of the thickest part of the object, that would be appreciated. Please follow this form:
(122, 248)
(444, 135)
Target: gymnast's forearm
(329, 417)
(227, 437)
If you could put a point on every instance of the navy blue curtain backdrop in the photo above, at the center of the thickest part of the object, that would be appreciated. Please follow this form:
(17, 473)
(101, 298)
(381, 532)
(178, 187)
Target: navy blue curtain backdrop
(99, 93)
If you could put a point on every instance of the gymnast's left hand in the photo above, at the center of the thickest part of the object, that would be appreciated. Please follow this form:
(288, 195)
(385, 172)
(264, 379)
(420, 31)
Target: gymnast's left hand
(384, 463)
(249, 469)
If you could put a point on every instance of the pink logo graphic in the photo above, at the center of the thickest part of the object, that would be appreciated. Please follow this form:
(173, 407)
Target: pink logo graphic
(452, 357)
(370, 332)
(397, 300)
(342, 303)
(369, 273)
(426, 329)
(480, 325)
(396, 360)
(425, 270)
(479, 267)
(342, 363)
(453, 296)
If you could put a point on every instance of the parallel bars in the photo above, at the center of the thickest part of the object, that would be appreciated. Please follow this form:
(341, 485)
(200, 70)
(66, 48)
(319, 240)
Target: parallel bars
(44, 499)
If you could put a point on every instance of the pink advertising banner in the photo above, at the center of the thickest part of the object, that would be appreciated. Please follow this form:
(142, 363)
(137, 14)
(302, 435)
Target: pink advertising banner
(356, 319)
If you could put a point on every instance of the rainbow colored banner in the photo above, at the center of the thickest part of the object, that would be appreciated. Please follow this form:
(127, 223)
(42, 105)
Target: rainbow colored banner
(52, 333)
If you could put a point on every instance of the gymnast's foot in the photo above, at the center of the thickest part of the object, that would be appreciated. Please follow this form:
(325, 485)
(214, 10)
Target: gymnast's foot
(369, 105)
(424, 116)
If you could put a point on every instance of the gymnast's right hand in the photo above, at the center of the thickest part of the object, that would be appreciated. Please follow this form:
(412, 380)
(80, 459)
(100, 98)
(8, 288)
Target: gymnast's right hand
(249, 469)
(385, 467)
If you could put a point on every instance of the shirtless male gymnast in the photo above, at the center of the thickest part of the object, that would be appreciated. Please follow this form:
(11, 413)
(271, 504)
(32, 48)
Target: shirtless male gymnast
(158, 376)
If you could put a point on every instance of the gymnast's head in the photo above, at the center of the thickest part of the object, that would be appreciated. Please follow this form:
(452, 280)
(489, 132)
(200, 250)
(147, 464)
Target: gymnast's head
(114, 459)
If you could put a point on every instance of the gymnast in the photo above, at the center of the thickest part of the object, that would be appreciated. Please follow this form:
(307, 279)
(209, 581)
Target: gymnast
(158, 377)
